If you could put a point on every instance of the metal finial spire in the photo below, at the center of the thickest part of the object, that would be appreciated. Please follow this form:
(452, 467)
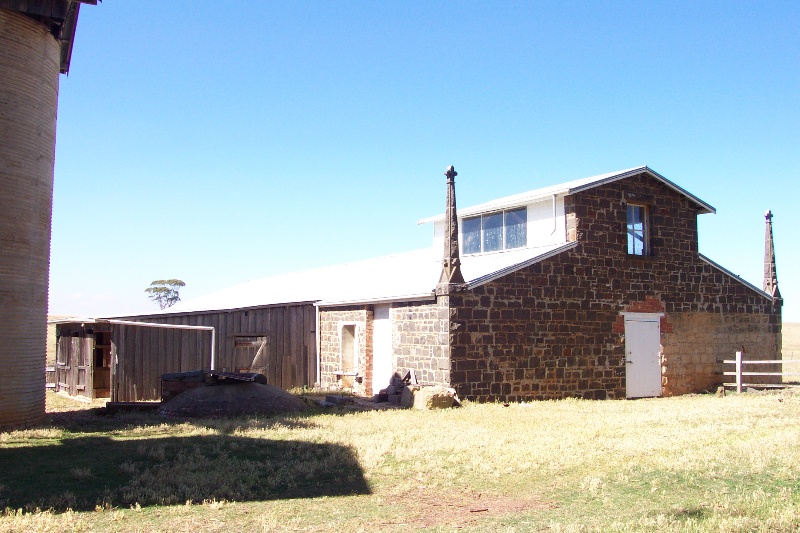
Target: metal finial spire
(770, 274)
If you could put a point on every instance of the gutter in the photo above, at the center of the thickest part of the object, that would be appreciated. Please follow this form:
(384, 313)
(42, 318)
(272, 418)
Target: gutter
(381, 299)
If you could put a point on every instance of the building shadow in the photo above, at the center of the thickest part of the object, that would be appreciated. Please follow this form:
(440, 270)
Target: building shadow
(86, 472)
(100, 419)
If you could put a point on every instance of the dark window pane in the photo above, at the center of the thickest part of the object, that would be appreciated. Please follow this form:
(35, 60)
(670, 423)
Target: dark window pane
(636, 230)
(493, 232)
(471, 235)
(516, 228)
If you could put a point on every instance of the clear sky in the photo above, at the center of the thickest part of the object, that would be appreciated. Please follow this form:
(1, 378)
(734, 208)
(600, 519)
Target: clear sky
(218, 142)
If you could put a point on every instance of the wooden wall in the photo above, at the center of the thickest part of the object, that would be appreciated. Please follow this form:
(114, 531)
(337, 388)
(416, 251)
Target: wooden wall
(75, 370)
(143, 353)
(285, 334)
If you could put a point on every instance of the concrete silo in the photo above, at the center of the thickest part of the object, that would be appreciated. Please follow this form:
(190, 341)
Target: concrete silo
(35, 47)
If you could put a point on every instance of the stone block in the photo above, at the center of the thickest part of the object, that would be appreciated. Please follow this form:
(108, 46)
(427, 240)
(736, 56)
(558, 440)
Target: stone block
(428, 398)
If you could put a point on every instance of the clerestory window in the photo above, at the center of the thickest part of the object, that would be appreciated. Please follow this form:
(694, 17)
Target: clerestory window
(502, 230)
(638, 241)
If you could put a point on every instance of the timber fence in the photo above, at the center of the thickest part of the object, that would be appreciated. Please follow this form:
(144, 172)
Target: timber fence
(757, 379)
(50, 377)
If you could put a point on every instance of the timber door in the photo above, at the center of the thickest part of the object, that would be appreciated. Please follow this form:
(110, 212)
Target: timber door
(642, 355)
(381, 348)
(74, 366)
(250, 355)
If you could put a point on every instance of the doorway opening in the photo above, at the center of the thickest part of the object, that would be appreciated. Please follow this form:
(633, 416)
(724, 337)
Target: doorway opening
(349, 355)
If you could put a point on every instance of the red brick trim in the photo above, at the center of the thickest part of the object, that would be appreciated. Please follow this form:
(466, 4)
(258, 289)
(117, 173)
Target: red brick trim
(649, 305)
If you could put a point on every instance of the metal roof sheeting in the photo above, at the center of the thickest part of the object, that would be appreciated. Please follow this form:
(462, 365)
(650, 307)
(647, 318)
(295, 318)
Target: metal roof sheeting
(406, 276)
(570, 187)
(399, 277)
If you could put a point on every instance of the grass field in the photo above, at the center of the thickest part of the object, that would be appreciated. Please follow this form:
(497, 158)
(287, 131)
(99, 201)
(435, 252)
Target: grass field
(693, 463)
(791, 349)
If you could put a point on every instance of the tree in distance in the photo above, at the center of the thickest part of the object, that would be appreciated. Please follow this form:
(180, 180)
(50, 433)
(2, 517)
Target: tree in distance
(165, 292)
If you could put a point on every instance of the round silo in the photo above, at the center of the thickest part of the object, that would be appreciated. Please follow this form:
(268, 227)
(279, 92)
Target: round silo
(29, 70)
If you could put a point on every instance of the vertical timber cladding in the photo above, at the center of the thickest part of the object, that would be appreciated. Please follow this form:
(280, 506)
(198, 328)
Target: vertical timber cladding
(29, 70)
(144, 353)
(554, 330)
(79, 348)
(287, 358)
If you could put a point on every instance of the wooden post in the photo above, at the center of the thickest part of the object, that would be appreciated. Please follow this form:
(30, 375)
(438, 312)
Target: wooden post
(739, 372)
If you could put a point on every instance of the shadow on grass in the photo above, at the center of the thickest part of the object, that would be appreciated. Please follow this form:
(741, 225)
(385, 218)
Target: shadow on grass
(86, 472)
(98, 420)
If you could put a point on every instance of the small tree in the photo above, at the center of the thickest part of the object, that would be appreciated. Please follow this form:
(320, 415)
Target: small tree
(165, 292)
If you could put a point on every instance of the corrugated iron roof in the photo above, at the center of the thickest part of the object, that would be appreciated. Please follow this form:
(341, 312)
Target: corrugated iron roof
(406, 276)
(399, 277)
(570, 187)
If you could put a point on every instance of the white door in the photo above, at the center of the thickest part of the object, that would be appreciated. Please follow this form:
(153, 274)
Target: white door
(382, 367)
(642, 355)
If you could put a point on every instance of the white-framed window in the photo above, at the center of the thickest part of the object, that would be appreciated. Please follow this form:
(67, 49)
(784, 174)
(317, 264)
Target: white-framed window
(501, 230)
(638, 240)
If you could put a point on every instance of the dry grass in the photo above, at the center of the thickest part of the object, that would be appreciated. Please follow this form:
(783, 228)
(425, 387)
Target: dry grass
(694, 463)
(791, 349)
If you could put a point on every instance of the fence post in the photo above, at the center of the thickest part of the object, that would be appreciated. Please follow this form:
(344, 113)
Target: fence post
(739, 372)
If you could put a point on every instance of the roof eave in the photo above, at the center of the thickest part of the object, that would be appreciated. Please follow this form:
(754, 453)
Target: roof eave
(736, 277)
(704, 206)
(477, 282)
(428, 296)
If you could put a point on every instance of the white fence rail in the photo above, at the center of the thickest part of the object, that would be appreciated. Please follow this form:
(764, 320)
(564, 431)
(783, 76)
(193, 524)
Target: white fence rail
(740, 373)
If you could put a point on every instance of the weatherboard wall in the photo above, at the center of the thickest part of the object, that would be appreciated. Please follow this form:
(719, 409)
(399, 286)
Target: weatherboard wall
(288, 360)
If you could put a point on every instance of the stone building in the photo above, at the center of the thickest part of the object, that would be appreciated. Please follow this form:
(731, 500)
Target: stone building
(592, 289)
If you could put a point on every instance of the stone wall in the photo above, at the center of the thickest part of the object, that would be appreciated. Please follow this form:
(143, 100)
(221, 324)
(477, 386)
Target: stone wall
(420, 340)
(552, 330)
(699, 341)
(330, 327)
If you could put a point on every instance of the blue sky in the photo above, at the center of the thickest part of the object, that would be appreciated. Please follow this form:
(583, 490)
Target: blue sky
(218, 143)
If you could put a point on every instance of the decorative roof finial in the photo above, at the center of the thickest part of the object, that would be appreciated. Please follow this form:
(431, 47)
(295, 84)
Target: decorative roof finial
(770, 274)
(451, 262)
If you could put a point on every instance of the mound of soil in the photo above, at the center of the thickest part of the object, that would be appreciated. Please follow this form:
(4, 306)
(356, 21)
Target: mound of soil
(230, 400)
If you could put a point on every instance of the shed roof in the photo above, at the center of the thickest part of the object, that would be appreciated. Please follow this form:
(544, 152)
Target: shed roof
(405, 276)
(571, 187)
(399, 277)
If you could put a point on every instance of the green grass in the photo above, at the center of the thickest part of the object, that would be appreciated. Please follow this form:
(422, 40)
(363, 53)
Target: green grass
(693, 463)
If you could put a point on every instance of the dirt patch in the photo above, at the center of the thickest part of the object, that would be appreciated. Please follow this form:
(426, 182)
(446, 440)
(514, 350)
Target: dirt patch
(242, 399)
(459, 509)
